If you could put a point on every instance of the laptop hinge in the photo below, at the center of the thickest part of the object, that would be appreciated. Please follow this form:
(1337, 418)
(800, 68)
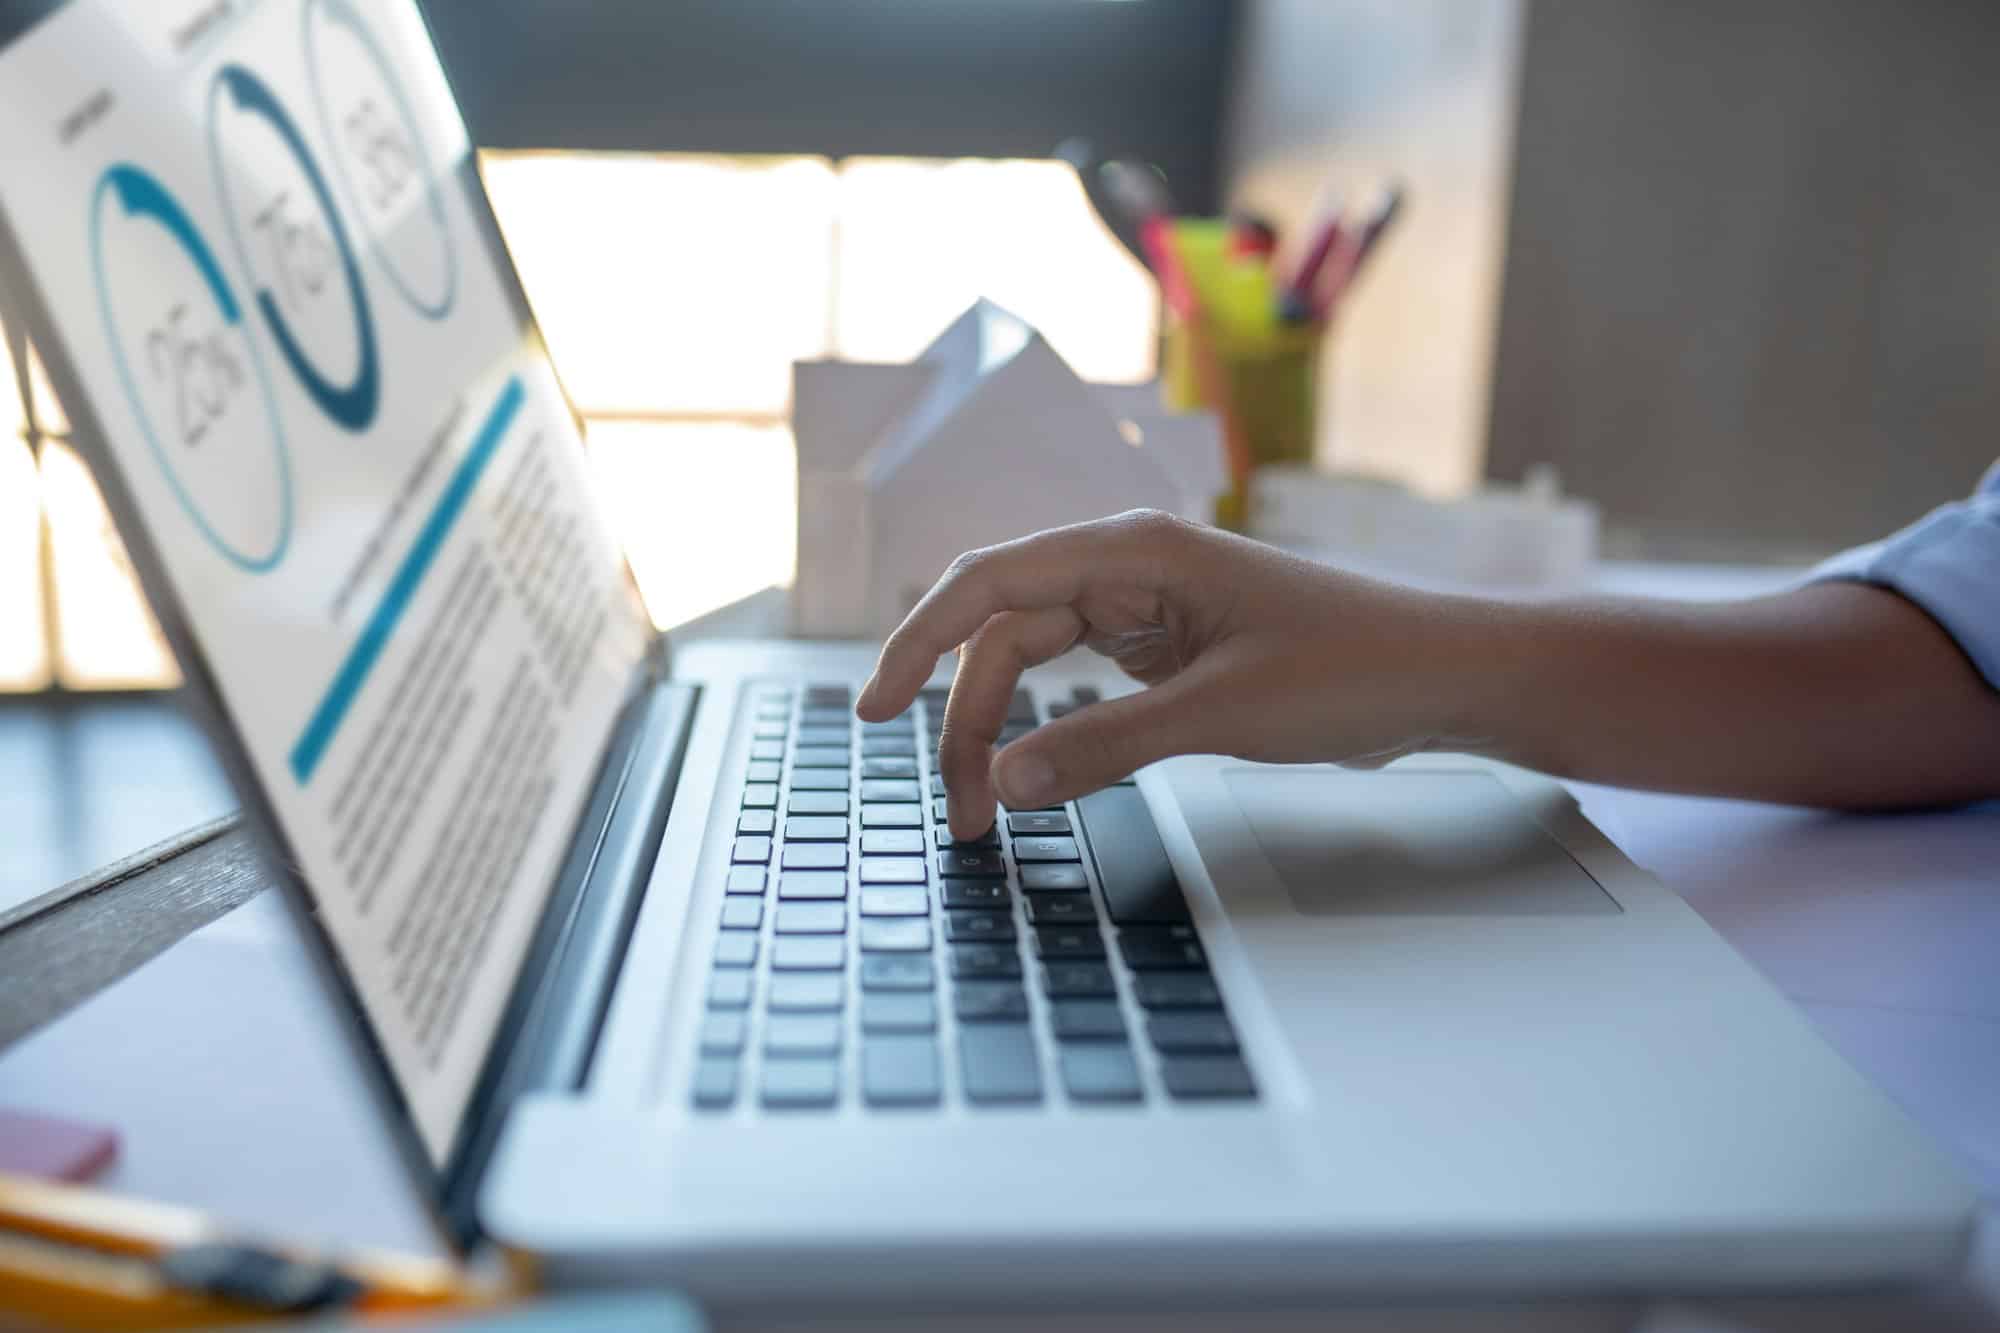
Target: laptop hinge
(552, 1022)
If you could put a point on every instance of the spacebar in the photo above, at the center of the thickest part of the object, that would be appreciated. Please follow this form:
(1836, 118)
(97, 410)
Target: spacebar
(1132, 865)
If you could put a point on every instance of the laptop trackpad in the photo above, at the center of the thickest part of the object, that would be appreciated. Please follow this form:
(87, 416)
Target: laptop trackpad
(1423, 843)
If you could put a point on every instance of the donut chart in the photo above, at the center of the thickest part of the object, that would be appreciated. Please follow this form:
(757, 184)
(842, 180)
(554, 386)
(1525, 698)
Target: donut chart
(379, 156)
(189, 368)
(351, 404)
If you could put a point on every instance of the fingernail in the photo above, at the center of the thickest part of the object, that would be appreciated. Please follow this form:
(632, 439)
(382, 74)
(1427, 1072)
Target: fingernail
(1025, 780)
(867, 695)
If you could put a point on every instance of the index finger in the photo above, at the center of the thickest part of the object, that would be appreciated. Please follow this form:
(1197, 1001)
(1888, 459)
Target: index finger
(1027, 574)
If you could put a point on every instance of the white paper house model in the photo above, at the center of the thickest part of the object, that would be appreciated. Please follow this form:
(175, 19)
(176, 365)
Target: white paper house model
(988, 435)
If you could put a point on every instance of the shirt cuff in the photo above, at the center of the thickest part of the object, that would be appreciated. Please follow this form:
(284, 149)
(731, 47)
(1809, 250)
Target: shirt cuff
(1948, 563)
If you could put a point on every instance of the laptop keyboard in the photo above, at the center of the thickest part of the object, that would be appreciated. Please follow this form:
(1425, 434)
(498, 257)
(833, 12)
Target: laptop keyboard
(863, 955)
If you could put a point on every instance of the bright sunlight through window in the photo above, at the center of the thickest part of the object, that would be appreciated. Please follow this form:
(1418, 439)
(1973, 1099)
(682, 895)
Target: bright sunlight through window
(675, 291)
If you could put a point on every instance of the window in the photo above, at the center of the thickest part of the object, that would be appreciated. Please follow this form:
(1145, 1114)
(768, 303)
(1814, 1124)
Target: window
(675, 291)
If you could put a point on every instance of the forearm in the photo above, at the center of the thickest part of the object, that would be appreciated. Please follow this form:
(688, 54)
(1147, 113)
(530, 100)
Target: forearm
(1835, 695)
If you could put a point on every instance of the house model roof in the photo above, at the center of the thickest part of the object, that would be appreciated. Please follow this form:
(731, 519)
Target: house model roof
(986, 436)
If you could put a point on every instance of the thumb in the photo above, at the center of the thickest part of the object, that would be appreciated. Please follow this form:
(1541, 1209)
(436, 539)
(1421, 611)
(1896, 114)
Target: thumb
(1100, 743)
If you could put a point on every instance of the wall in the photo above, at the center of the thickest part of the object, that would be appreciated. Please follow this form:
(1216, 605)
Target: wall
(1353, 89)
(1752, 301)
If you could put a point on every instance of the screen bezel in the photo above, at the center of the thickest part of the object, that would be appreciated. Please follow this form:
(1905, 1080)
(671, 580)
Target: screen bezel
(448, 1186)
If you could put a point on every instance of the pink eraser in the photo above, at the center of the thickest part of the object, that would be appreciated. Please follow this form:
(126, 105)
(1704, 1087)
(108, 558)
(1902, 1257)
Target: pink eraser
(46, 1147)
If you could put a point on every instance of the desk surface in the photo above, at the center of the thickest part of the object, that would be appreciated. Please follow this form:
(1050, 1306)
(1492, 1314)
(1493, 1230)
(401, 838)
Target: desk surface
(218, 1058)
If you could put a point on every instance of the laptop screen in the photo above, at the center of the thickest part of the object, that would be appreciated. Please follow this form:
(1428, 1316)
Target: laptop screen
(265, 277)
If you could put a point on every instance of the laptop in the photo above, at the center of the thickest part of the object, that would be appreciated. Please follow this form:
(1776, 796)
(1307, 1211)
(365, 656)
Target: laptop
(662, 962)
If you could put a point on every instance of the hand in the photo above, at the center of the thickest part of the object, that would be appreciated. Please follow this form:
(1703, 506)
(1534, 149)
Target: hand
(1246, 651)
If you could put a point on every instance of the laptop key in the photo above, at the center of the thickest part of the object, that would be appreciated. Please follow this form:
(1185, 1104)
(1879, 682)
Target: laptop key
(1132, 866)
(815, 856)
(893, 870)
(1194, 1032)
(730, 987)
(898, 1011)
(975, 893)
(895, 902)
(806, 992)
(816, 803)
(900, 815)
(980, 961)
(895, 972)
(769, 729)
(802, 1034)
(1028, 849)
(1068, 942)
(990, 1002)
(998, 1063)
(1161, 948)
(762, 770)
(971, 863)
(760, 796)
(808, 953)
(1053, 878)
(828, 696)
(895, 935)
(806, 884)
(745, 879)
(820, 756)
(899, 744)
(888, 767)
(742, 913)
(1031, 823)
(892, 842)
(819, 779)
(816, 828)
(800, 1083)
(736, 948)
(971, 927)
(1061, 909)
(722, 1034)
(1175, 990)
(1191, 1077)
(1064, 981)
(1087, 1020)
(753, 850)
(756, 821)
(1099, 1071)
(767, 749)
(902, 790)
(714, 1083)
(900, 1071)
(811, 918)
(989, 840)
(823, 735)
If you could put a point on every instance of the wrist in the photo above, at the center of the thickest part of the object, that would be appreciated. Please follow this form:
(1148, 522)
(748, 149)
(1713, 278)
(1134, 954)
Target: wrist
(1500, 661)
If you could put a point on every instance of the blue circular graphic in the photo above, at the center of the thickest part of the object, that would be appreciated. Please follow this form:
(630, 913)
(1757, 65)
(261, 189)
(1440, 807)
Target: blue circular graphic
(140, 196)
(353, 404)
(341, 12)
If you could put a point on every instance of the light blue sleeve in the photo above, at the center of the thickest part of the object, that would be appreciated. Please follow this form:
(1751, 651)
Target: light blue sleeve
(1948, 563)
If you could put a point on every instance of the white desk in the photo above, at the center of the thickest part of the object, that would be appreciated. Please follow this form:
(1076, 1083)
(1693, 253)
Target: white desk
(219, 1061)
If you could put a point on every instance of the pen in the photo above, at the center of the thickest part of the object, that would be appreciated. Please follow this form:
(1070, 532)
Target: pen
(1295, 301)
(1355, 254)
(80, 1258)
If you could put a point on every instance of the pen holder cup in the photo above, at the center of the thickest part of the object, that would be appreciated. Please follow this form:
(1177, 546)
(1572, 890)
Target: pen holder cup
(1261, 379)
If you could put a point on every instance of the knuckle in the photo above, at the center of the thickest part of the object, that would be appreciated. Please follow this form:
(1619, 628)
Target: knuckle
(1152, 522)
(966, 565)
(1154, 529)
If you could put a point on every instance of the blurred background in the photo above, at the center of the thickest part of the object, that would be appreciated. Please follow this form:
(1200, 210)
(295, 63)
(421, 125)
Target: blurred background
(1726, 265)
